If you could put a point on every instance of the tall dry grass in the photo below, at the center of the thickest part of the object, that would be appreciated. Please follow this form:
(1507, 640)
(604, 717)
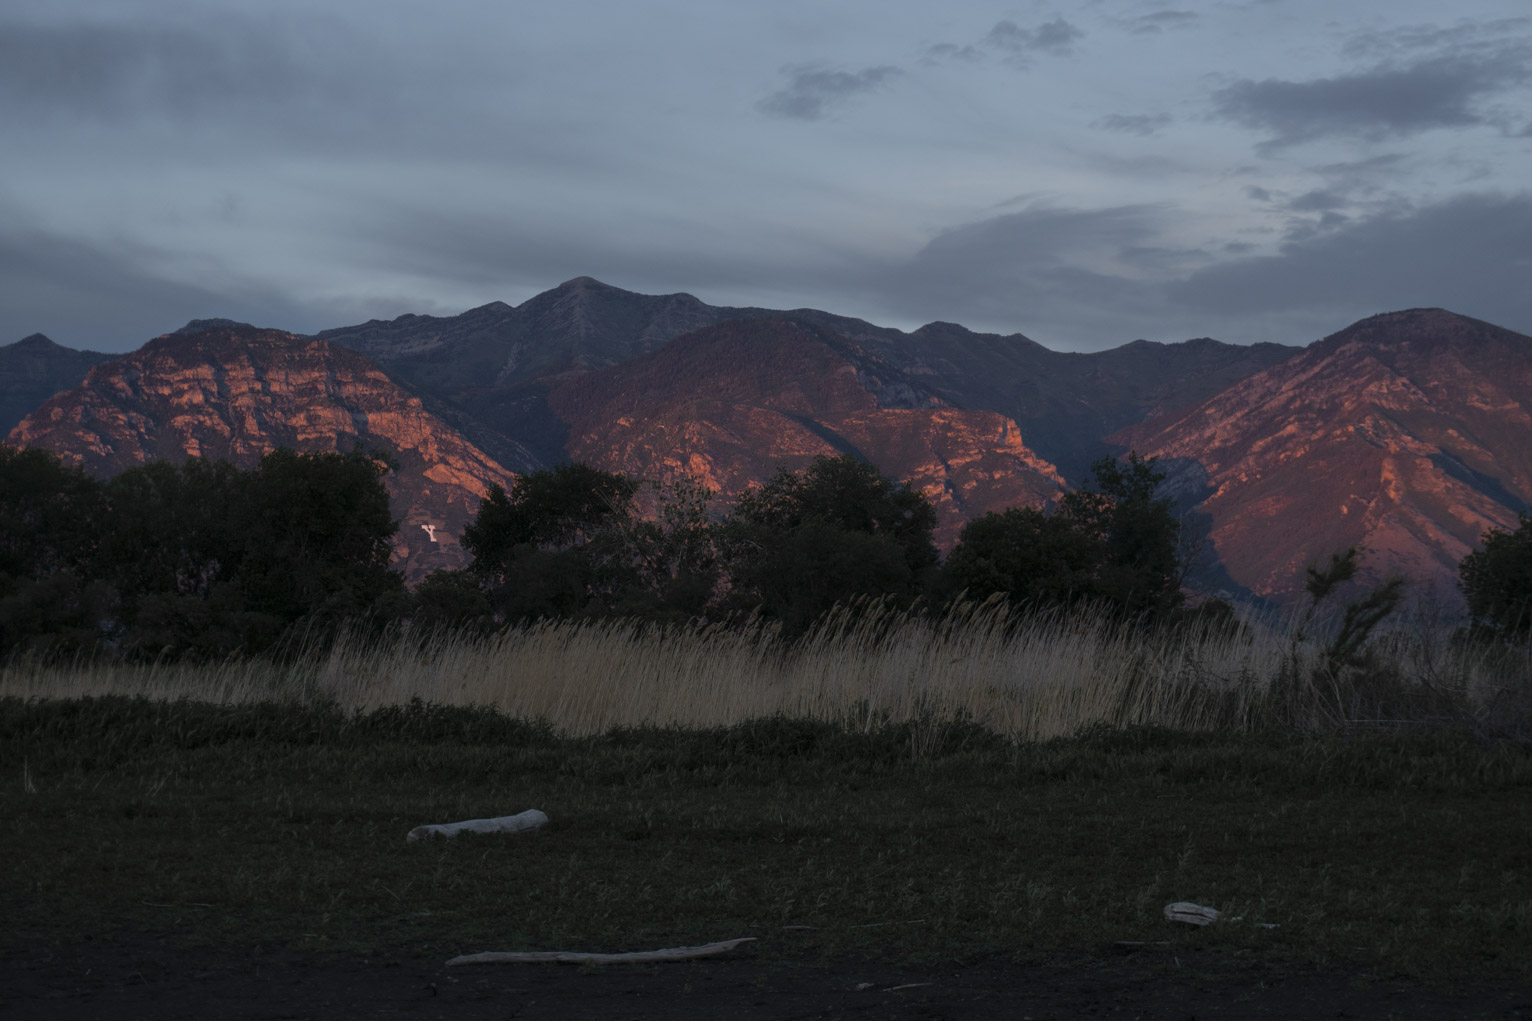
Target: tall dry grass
(1030, 678)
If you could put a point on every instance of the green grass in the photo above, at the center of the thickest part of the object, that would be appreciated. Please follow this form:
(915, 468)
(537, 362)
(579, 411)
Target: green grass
(283, 824)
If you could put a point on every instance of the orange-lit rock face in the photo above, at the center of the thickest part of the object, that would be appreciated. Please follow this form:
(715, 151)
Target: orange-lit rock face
(1408, 433)
(239, 393)
(730, 403)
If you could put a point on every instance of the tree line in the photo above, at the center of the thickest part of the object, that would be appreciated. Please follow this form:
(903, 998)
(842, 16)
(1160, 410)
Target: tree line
(203, 560)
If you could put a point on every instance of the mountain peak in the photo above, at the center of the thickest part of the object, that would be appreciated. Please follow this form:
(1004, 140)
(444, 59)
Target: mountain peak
(586, 284)
(203, 325)
(35, 342)
(1421, 330)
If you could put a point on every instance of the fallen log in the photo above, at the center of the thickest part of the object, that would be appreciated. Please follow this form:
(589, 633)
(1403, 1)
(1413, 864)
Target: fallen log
(531, 819)
(1191, 914)
(574, 957)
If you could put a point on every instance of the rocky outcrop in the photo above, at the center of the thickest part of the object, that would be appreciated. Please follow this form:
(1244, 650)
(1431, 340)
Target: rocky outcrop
(1407, 433)
(34, 369)
(730, 403)
(236, 392)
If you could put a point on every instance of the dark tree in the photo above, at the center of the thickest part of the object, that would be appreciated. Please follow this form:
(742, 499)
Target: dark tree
(52, 519)
(51, 515)
(451, 599)
(555, 508)
(176, 529)
(1140, 571)
(1112, 543)
(1497, 582)
(835, 532)
(674, 557)
(197, 560)
(1033, 558)
(176, 555)
(318, 536)
(555, 546)
(848, 494)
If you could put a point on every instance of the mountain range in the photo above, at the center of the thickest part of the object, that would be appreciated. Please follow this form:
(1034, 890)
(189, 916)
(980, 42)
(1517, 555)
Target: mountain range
(1406, 433)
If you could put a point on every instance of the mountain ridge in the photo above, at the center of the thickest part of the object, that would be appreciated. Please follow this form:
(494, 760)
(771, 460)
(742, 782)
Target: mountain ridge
(1420, 411)
(1065, 401)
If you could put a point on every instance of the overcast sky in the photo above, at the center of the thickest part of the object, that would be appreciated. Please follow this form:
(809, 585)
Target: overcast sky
(1084, 173)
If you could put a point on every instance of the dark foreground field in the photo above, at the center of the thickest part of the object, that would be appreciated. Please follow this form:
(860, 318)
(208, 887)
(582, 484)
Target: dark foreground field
(167, 860)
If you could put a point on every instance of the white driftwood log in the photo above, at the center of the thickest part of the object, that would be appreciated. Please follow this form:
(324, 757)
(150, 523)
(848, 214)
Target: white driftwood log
(1191, 914)
(574, 957)
(531, 819)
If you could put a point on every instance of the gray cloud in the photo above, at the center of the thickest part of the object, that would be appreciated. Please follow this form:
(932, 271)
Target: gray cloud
(1056, 37)
(1017, 45)
(811, 91)
(1048, 273)
(1384, 163)
(1160, 21)
(1408, 39)
(1028, 270)
(1388, 100)
(111, 71)
(1472, 254)
(106, 297)
(1317, 201)
(952, 51)
(1143, 124)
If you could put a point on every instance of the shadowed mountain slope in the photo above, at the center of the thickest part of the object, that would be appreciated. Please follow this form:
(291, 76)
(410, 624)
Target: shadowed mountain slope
(34, 369)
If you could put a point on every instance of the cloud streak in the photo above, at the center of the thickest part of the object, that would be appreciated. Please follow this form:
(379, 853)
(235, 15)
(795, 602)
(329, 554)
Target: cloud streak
(1140, 124)
(1056, 37)
(1016, 44)
(812, 92)
(114, 71)
(1385, 101)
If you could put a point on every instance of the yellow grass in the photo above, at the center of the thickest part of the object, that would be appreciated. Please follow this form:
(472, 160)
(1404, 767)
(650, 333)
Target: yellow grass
(1030, 678)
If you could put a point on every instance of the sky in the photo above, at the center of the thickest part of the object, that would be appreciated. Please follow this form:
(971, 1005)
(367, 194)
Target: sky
(1086, 174)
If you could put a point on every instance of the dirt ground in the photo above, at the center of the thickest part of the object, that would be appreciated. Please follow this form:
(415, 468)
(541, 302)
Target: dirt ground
(144, 977)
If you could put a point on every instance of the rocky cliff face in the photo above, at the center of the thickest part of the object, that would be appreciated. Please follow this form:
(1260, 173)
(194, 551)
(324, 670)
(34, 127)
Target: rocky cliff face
(1407, 433)
(729, 403)
(237, 392)
(34, 369)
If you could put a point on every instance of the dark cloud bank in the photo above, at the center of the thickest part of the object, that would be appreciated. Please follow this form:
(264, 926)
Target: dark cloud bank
(1020, 272)
(1472, 254)
(1447, 90)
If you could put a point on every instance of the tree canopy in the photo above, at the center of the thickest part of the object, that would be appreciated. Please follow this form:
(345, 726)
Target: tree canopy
(1112, 542)
(838, 530)
(196, 559)
(1497, 582)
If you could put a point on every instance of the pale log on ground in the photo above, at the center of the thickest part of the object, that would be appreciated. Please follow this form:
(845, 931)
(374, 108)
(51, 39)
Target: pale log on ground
(1191, 914)
(522, 822)
(575, 957)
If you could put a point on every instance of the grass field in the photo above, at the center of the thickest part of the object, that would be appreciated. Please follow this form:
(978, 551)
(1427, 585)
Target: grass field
(905, 790)
(1026, 678)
